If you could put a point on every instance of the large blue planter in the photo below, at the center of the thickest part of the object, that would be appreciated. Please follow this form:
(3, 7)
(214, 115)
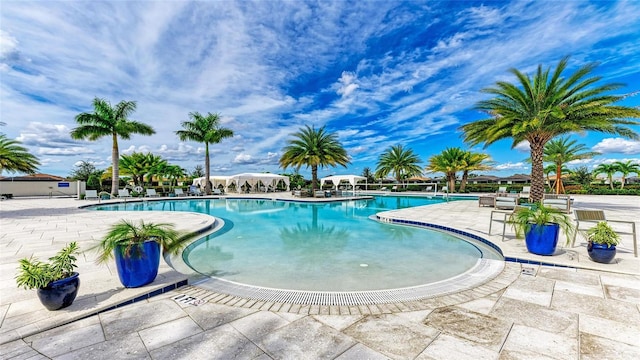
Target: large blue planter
(542, 239)
(61, 293)
(601, 252)
(140, 267)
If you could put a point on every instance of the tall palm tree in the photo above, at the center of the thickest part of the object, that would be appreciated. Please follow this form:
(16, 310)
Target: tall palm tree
(15, 158)
(547, 106)
(552, 169)
(314, 147)
(561, 151)
(607, 169)
(473, 161)
(626, 168)
(207, 130)
(449, 161)
(107, 120)
(401, 162)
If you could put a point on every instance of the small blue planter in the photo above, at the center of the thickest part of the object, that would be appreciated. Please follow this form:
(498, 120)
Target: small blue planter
(61, 293)
(140, 267)
(601, 252)
(542, 239)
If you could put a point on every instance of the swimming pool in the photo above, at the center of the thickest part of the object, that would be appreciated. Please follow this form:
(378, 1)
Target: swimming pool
(330, 246)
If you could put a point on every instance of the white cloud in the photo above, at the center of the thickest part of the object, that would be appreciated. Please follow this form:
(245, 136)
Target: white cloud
(243, 159)
(524, 147)
(347, 84)
(617, 145)
(512, 166)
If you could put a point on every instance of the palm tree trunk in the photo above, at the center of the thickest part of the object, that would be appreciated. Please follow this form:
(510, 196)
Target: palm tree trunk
(314, 177)
(207, 171)
(623, 179)
(610, 176)
(537, 172)
(558, 178)
(452, 182)
(463, 183)
(115, 167)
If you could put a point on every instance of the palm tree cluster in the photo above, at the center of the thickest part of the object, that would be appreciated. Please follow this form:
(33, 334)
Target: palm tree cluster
(399, 161)
(625, 168)
(453, 160)
(546, 106)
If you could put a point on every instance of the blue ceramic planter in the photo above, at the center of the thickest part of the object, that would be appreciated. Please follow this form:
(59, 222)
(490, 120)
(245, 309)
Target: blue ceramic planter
(61, 293)
(542, 239)
(140, 267)
(601, 252)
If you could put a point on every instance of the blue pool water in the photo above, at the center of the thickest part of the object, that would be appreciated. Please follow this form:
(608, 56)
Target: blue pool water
(318, 246)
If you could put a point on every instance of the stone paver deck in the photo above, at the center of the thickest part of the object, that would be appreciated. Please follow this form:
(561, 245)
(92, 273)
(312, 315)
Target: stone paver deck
(583, 311)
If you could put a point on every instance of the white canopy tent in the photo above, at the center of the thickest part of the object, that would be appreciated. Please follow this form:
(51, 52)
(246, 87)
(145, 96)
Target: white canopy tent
(216, 181)
(252, 179)
(337, 179)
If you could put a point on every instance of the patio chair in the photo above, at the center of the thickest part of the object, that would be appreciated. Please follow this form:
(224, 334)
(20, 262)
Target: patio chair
(91, 194)
(124, 193)
(560, 202)
(319, 194)
(217, 191)
(524, 194)
(151, 193)
(503, 217)
(506, 201)
(178, 192)
(595, 216)
(195, 191)
(502, 189)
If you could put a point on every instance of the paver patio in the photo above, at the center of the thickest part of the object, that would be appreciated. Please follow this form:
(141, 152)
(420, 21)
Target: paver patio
(585, 310)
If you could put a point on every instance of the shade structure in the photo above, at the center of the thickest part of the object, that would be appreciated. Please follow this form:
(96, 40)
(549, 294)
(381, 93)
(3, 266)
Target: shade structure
(216, 181)
(337, 179)
(259, 182)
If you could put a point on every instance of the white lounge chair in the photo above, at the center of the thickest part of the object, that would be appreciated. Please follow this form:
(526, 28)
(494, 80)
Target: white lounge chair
(178, 192)
(560, 202)
(151, 193)
(91, 194)
(217, 191)
(506, 201)
(524, 194)
(502, 189)
(123, 193)
(195, 191)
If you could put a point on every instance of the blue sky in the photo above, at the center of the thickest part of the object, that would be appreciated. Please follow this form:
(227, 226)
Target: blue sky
(378, 73)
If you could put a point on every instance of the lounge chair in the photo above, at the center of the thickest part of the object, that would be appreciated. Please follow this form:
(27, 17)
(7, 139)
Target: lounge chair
(217, 191)
(319, 194)
(91, 194)
(524, 194)
(506, 201)
(178, 192)
(502, 189)
(560, 202)
(151, 193)
(123, 193)
(195, 191)
(594, 216)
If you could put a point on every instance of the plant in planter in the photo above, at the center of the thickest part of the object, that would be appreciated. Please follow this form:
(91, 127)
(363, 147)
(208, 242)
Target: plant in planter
(602, 243)
(136, 249)
(56, 282)
(541, 226)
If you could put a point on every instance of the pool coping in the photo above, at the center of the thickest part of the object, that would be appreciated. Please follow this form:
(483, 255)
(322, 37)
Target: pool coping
(483, 271)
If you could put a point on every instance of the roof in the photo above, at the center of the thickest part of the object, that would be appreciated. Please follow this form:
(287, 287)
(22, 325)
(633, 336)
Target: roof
(33, 177)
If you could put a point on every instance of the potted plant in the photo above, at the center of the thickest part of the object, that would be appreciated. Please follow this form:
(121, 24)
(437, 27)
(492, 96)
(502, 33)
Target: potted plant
(56, 282)
(136, 249)
(541, 227)
(602, 243)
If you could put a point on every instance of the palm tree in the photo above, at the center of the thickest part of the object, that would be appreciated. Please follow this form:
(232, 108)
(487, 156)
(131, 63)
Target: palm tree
(15, 158)
(450, 161)
(366, 172)
(314, 147)
(582, 175)
(552, 169)
(207, 130)
(473, 162)
(403, 163)
(545, 107)
(607, 169)
(107, 120)
(561, 151)
(134, 166)
(626, 168)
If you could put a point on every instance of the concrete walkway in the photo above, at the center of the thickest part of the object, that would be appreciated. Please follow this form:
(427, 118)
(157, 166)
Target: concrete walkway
(528, 311)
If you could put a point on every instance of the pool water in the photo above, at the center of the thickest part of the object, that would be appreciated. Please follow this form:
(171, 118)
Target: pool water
(318, 246)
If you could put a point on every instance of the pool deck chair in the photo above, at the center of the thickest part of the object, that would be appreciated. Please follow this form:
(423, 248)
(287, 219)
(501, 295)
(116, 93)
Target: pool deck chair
(195, 191)
(502, 189)
(91, 195)
(151, 193)
(123, 193)
(524, 194)
(503, 217)
(178, 192)
(506, 201)
(559, 202)
(592, 217)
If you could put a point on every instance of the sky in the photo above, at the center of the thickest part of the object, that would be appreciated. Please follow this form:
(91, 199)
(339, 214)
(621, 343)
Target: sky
(375, 73)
